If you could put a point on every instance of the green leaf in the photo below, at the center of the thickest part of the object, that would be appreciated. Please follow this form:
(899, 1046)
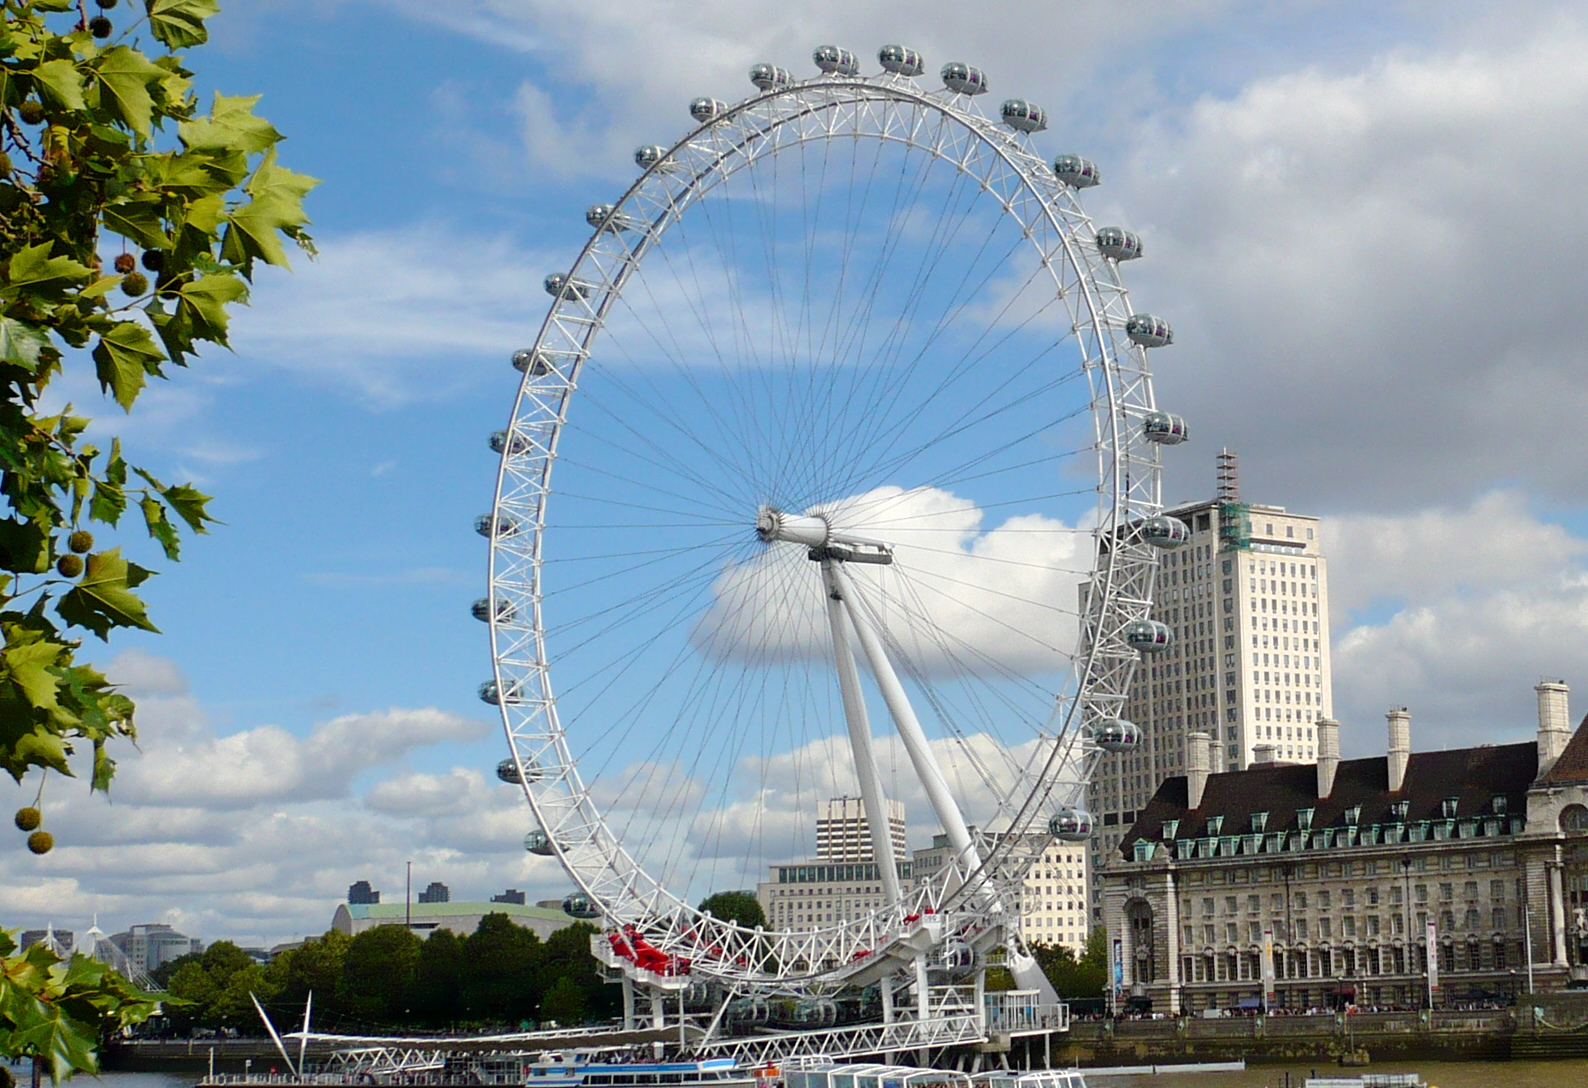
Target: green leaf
(202, 304)
(125, 355)
(140, 219)
(160, 527)
(24, 546)
(62, 83)
(22, 345)
(28, 658)
(180, 23)
(103, 598)
(104, 767)
(190, 505)
(276, 206)
(124, 76)
(34, 269)
(230, 126)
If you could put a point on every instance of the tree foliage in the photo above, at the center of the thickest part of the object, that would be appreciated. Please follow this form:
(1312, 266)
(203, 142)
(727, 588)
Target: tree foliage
(1076, 976)
(56, 1011)
(107, 159)
(389, 978)
(739, 907)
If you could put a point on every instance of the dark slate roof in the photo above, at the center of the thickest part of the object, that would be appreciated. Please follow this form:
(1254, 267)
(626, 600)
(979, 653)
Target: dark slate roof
(1474, 775)
(1572, 766)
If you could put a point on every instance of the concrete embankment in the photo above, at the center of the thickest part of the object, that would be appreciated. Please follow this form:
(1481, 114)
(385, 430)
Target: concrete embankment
(1540, 1026)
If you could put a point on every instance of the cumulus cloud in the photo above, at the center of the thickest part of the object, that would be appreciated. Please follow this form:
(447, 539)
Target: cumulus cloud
(1373, 271)
(1465, 610)
(956, 599)
(256, 834)
(391, 316)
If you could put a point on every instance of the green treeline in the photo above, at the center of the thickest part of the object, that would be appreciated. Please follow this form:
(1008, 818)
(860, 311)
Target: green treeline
(388, 977)
(1076, 977)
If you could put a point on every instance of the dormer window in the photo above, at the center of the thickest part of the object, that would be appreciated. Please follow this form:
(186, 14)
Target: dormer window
(1352, 815)
(1497, 804)
(1171, 828)
(1399, 810)
(1304, 819)
(1259, 821)
(1215, 825)
(1447, 807)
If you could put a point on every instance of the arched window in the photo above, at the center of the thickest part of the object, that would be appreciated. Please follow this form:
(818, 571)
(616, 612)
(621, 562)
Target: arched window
(1574, 818)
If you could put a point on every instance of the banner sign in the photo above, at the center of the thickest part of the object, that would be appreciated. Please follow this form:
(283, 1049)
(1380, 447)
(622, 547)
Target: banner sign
(1268, 969)
(1432, 941)
(1119, 966)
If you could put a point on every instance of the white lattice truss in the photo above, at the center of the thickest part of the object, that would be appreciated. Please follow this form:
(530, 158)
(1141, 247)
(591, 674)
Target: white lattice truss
(968, 906)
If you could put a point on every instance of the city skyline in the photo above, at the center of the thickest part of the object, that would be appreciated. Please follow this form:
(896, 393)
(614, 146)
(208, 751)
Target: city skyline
(1288, 171)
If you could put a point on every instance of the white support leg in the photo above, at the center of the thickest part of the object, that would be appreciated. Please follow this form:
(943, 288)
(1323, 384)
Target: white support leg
(860, 740)
(910, 732)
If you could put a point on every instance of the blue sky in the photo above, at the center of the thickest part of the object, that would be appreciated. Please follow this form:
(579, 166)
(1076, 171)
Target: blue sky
(1362, 218)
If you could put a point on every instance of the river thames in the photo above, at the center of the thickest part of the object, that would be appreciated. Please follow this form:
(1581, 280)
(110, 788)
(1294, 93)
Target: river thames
(1561, 1074)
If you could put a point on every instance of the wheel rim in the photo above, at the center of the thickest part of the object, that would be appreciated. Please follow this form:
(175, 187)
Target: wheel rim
(1117, 385)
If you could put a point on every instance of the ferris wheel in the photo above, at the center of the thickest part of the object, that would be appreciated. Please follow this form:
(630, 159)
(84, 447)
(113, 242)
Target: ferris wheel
(833, 472)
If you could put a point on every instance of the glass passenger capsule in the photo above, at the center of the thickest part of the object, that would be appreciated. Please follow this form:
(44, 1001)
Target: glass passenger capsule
(1070, 825)
(1165, 532)
(1076, 172)
(1117, 735)
(489, 526)
(707, 109)
(560, 285)
(1119, 243)
(1023, 116)
(507, 771)
(533, 363)
(1165, 428)
(501, 443)
(1148, 636)
(652, 156)
(490, 693)
(537, 842)
(481, 610)
(963, 79)
(1149, 331)
(579, 906)
(607, 217)
(769, 76)
(901, 60)
(835, 61)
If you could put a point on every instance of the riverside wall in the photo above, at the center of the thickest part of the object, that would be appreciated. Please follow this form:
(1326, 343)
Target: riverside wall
(1539, 1026)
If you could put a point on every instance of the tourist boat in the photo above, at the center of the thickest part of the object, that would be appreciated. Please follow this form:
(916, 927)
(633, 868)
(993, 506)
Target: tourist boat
(576, 1071)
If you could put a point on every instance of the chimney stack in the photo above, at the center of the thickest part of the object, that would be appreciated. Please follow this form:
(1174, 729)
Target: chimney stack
(1554, 722)
(1400, 746)
(1328, 755)
(1196, 778)
(1263, 753)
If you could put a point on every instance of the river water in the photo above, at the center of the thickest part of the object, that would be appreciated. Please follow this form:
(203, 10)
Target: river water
(1561, 1074)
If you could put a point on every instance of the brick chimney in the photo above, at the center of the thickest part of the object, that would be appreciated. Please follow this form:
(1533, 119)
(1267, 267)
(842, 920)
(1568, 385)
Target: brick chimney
(1196, 777)
(1328, 755)
(1554, 722)
(1400, 746)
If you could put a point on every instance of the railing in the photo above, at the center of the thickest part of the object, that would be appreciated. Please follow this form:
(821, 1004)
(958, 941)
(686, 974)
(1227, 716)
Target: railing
(863, 1039)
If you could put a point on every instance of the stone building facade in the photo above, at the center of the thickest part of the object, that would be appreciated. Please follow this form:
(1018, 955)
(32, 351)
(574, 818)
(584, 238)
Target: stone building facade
(1323, 879)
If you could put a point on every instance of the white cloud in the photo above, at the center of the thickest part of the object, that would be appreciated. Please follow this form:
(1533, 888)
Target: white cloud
(957, 598)
(1373, 271)
(255, 835)
(399, 315)
(1496, 541)
(1481, 602)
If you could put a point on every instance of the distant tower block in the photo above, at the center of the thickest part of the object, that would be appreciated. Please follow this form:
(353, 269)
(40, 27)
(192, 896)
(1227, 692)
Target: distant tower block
(1229, 476)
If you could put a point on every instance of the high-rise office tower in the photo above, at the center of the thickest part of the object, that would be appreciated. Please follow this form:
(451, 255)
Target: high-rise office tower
(1248, 600)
